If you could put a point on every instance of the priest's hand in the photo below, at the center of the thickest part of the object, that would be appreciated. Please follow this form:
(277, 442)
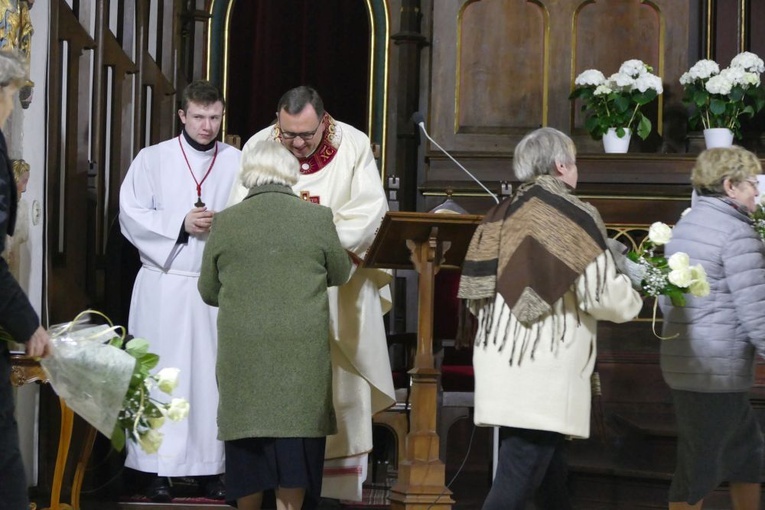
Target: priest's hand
(198, 221)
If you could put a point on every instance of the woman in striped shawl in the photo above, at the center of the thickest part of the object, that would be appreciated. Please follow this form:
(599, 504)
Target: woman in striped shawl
(538, 275)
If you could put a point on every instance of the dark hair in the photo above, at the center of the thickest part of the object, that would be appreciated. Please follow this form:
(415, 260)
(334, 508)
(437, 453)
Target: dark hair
(202, 92)
(294, 100)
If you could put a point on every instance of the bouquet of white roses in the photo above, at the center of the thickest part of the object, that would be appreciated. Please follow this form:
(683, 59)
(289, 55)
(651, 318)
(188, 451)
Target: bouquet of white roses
(721, 97)
(673, 277)
(615, 102)
(759, 218)
(109, 387)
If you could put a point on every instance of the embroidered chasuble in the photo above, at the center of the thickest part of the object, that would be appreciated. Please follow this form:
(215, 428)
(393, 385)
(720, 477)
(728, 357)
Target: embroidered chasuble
(342, 175)
(166, 309)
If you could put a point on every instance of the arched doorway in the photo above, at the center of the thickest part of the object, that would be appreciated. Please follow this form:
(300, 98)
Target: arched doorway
(259, 49)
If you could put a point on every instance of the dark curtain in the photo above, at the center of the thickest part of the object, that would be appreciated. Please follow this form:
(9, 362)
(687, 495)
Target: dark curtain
(279, 44)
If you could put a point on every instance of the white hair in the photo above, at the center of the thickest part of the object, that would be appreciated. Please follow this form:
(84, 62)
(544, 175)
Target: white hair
(268, 162)
(539, 152)
(13, 69)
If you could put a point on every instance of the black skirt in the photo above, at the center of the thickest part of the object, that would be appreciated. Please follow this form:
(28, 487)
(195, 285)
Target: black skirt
(718, 440)
(259, 464)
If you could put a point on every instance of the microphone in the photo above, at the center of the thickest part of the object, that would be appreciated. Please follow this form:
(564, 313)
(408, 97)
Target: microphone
(419, 120)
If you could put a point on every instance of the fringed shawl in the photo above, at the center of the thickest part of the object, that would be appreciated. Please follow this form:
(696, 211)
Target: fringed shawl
(530, 249)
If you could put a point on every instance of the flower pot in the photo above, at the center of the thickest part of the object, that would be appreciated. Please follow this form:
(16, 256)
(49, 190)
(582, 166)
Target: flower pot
(718, 137)
(613, 144)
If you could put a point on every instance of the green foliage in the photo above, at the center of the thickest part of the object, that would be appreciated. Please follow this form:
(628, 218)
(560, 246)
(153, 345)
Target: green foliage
(722, 111)
(617, 109)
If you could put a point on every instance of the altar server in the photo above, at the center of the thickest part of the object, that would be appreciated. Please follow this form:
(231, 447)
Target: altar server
(167, 202)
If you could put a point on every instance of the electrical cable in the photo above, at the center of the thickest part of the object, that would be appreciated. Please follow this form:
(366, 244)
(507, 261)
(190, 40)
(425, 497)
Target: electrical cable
(459, 469)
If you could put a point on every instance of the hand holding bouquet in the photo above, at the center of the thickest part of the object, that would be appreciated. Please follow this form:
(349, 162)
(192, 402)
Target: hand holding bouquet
(673, 277)
(109, 387)
(652, 274)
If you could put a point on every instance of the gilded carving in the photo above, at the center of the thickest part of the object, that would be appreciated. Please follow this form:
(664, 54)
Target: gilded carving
(16, 34)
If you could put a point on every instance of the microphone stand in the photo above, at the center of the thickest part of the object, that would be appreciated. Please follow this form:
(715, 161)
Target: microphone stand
(421, 123)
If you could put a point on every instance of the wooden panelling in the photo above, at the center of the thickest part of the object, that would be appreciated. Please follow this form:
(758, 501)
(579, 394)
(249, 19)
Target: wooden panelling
(501, 42)
(504, 67)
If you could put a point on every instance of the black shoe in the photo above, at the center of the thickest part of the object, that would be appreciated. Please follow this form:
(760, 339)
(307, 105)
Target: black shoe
(215, 488)
(159, 490)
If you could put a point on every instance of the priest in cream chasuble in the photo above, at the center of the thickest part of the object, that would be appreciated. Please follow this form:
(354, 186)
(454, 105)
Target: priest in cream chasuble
(339, 172)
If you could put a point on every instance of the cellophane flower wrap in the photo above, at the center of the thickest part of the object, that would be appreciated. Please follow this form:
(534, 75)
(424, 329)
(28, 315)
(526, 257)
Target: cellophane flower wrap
(616, 101)
(89, 372)
(721, 97)
(110, 387)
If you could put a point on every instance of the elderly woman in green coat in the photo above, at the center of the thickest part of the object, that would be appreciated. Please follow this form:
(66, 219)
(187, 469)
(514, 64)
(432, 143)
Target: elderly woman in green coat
(267, 265)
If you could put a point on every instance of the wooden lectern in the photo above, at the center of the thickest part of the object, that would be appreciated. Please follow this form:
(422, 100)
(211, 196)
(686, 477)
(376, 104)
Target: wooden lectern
(427, 242)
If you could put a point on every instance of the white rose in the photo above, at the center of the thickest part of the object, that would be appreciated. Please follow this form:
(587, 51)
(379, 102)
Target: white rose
(681, 277)
(177, 409)
(679, 261)
(150, 441)
(590, 78)
(167, 379)
(699, 288)
(698, 272)
(156, 423)
(659, 233)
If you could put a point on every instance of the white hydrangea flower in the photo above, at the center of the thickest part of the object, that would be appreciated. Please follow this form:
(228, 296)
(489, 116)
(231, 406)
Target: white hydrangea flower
(686, 79)
(649, 81)
(590, 78)
(659, 233)
(735, 75)
(679, 261)
(621, 81)
(718, 85)
(602, 90)
(751, 80)
(748, 62)
(178, 409)
(633, 68)
(704, 69)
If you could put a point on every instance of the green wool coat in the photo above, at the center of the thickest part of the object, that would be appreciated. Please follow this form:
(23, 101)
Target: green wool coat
(267, 265)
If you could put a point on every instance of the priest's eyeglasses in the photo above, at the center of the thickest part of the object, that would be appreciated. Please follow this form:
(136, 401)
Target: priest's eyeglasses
(306, 135)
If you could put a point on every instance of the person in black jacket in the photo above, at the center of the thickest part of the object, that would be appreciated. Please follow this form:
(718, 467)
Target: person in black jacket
(17, 317)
